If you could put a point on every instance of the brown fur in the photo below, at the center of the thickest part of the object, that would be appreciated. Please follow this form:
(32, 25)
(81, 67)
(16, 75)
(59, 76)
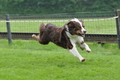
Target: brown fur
(57, 35)
(52, 33)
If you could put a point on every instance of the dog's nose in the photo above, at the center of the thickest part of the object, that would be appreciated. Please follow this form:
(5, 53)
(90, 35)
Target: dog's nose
(84, 31)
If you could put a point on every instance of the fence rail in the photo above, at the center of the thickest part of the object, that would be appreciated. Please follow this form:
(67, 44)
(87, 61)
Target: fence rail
(103, 38)
(99, 19)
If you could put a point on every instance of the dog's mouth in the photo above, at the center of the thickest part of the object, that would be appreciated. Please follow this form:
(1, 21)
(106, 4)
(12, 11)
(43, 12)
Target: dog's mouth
(82, 35)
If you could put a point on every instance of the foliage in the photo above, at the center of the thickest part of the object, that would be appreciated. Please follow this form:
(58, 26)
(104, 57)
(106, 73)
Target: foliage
(28, 60)
(56, 6)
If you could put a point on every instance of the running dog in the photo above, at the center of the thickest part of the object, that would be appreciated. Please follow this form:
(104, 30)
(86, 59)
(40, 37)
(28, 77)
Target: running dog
(68, 36)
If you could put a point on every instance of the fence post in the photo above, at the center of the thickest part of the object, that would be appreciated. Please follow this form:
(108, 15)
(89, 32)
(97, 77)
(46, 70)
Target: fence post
(118, 26)
(8, 29)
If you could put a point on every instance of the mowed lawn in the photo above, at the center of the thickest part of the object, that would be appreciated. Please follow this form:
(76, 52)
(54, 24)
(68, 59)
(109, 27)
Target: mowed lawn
(28, 60)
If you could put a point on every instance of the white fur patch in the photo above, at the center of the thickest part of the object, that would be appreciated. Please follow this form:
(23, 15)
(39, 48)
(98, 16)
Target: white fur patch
(76, 20)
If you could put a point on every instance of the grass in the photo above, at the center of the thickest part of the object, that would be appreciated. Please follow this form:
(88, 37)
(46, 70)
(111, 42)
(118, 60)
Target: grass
(95, 27)
(28, 60)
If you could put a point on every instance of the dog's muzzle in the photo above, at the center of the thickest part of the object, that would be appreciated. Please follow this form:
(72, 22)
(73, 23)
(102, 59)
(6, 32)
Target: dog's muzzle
(82, 34)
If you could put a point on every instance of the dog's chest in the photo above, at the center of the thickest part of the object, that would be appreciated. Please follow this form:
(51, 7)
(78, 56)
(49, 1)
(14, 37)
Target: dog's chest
(75, 38)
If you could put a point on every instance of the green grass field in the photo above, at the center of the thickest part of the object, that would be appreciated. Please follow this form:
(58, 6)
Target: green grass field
(92, 27)
(28, 60)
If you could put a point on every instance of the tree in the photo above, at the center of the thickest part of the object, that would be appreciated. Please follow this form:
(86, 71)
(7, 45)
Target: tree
(56, 6)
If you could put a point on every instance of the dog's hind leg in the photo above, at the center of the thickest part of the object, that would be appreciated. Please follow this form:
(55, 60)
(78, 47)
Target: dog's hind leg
(35, 37)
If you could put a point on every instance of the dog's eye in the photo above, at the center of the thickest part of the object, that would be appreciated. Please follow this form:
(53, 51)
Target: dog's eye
(79, 27)
(76, 29)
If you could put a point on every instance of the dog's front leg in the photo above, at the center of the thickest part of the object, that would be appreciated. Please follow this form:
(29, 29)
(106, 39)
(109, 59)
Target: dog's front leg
(75, 52)
(83, 45)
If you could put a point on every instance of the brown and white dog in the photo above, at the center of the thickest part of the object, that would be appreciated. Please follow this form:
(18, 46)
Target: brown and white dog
(68, 36)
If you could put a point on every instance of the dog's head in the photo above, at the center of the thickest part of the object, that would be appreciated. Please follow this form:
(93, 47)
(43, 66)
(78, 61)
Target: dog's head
(76, 27)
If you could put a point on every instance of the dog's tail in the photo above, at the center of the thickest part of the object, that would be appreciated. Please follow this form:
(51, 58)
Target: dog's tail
(41, 29)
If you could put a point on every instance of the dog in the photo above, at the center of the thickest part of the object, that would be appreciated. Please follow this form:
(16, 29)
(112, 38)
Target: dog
(68, 36)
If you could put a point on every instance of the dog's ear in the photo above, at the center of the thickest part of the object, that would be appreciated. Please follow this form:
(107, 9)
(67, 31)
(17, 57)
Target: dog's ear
(82, 23)
(71, 23)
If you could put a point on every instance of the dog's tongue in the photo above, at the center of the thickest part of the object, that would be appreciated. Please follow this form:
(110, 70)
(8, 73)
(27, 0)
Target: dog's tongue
(83, 35)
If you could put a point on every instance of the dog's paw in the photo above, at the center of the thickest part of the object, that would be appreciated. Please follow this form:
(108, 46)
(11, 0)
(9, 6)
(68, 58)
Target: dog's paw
(83, 60)
(33, 35)
(88, 50)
